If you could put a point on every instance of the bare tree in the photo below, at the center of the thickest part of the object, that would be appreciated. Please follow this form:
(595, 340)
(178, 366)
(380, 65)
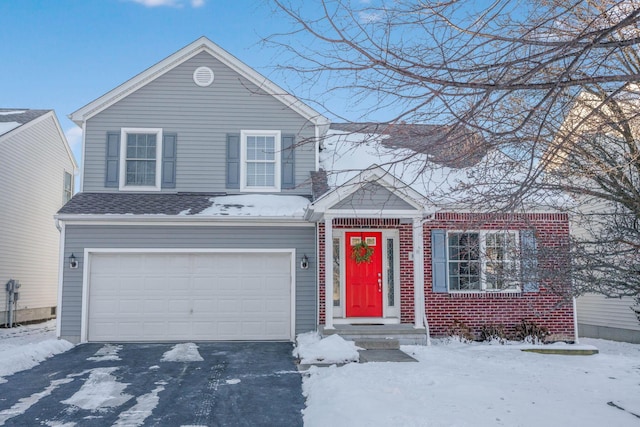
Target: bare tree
(550, 85)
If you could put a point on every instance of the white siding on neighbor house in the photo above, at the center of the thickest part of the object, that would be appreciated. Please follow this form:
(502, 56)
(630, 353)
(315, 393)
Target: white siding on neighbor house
(598, 316)
(202, 117)
(597, 310)
(32, 166)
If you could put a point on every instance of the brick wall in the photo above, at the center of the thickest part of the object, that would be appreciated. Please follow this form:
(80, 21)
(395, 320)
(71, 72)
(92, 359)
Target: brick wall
(550, 307)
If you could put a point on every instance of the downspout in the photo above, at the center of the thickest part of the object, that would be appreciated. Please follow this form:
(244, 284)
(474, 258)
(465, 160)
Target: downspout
(576, 340)
(425, 219)
(61, 227)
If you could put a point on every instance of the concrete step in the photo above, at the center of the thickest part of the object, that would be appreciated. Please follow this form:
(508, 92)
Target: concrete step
(378, 344)
(403, 334)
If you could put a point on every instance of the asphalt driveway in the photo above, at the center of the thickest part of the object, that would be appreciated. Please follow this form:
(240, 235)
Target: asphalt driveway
(236, 384)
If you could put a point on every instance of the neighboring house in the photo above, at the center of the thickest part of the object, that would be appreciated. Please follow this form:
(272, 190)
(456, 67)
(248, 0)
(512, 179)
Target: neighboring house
(204, 214)
(37, 170)
(599, 316)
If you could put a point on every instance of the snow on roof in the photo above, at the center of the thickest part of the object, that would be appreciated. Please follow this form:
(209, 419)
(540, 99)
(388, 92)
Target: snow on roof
(346, 154)
(8, 127)
(255, 205)
(11, 118)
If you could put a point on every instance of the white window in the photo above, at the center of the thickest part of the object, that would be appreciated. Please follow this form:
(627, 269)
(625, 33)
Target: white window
(485, 260)
(260, 159)
(140, 159)
(67, 191)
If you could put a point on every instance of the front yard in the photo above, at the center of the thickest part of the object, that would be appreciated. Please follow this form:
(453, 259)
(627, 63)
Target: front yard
(475, 385)
(453, 384)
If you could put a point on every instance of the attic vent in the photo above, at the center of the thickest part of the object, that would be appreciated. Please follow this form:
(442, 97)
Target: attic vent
(203, 76)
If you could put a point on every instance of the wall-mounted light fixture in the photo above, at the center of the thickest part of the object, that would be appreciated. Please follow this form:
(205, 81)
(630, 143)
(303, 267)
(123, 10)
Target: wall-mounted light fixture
(73, 262)
(304, 262)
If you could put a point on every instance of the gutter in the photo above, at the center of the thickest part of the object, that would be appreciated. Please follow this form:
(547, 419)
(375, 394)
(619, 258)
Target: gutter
(182, 219)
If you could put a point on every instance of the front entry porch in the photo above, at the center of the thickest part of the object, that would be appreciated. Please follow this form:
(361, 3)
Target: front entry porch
(379, 336)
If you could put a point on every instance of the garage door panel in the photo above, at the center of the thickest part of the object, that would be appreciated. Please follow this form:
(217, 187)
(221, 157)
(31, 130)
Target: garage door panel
(189, 296)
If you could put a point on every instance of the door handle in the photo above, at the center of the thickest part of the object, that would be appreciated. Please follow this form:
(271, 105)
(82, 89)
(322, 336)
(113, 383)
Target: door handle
(379, 285)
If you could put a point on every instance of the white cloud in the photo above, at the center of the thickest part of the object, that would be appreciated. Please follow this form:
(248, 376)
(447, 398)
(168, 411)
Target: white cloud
(170, 3)
(369, 17)
(74, 137)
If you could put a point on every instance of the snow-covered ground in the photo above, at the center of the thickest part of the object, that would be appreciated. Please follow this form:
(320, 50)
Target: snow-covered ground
(26, 346)
(457, 384)
(453, 384)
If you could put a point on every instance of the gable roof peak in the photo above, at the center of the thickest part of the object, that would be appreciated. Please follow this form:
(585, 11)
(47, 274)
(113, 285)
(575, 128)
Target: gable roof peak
(202, 44)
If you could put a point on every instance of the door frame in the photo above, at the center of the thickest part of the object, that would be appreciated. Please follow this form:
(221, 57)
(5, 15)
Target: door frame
(86, 275)
(390, 314)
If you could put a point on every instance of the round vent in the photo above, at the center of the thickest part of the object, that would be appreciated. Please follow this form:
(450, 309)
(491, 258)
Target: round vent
(203, 76)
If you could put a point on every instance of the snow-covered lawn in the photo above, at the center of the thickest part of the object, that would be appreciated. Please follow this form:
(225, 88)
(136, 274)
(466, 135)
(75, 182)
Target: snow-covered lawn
(26, 346)
(459, 385)
(453, 384)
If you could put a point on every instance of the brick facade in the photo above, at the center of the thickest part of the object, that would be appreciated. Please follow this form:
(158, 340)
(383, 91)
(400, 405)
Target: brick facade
(550, 307)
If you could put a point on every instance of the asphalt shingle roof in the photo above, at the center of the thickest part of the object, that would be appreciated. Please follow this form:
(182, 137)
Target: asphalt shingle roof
(136, 203)
(13, 118)
(22, 115)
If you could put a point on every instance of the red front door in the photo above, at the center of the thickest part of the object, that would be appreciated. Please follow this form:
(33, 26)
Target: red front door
(364, 279)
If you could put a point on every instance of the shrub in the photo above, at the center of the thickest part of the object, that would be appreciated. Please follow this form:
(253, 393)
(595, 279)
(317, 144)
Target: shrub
(530, 332)
(460, 331)
(495, 333)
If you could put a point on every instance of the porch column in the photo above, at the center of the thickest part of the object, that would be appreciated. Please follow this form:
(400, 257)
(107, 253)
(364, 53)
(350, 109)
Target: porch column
(418, 272)
(328, 272)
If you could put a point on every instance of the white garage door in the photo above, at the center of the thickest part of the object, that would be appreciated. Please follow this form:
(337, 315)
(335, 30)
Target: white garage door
(189, 296)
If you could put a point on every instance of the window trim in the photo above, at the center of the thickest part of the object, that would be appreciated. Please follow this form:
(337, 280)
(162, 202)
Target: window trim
(482, 236)
(277, 160)
(123, 160)
(64, 186)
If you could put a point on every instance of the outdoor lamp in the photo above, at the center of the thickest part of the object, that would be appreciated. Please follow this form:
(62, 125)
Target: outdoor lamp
(304, 262)
(73, 262)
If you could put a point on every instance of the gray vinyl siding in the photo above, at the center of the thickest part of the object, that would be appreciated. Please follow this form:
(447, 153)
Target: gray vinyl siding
(79, 237)
(373, 196)
(32, 165)
(201, 117)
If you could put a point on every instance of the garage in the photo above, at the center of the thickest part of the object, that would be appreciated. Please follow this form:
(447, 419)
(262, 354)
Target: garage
(189, 296)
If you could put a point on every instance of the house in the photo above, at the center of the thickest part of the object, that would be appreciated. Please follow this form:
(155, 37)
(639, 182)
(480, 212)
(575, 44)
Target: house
(205, 214)
(603, 130)
(37, 171)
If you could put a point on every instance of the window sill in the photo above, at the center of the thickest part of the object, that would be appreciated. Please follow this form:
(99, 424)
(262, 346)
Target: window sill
(486, 294)
(140, 188)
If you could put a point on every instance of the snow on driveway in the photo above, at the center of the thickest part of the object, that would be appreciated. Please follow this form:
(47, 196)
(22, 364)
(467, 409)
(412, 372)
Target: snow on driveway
(452, 385)
(26, 346)
(461, 385)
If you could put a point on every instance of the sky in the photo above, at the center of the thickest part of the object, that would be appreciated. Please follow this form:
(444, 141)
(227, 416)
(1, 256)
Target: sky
(63, 54)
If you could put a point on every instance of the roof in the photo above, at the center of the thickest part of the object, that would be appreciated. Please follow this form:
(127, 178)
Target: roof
(186, 205)
(449, 167)
(12, 118)
(454, 147)
(202, 44)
